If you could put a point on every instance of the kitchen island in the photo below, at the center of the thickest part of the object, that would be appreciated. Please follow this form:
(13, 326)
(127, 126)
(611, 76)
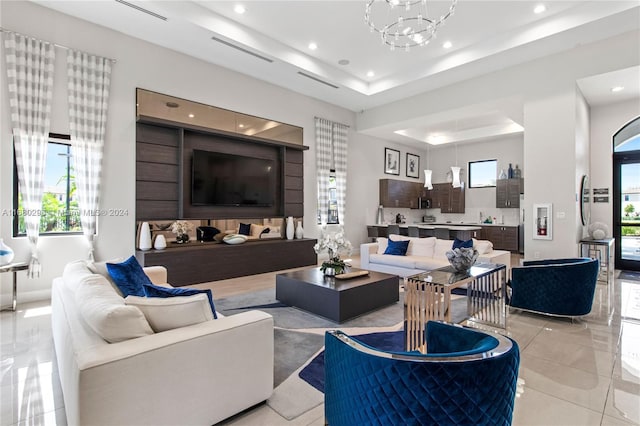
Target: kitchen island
(447, 231)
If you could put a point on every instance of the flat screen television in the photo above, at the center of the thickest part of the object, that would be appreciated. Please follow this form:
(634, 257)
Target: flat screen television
(220, 179)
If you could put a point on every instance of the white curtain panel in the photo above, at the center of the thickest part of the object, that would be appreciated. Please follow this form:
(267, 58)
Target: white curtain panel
(89, 78)
(340, 132)
(324, 136)
(30, 68)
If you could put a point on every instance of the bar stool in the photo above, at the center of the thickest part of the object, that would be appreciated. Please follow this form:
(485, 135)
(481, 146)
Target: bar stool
(393, 229)
(414, 231)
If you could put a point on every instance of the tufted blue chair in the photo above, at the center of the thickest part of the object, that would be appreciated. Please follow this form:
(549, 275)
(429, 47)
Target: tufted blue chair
(563, 287)
(466, 377)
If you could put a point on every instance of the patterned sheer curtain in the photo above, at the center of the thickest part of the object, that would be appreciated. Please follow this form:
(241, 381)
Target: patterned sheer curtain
(89, 78)
(30, 67)
(340, 132)
(331, 150)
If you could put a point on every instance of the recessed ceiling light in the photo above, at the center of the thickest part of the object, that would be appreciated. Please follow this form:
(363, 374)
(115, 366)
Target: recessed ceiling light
(617, 89)
(539, 9)
(239, 9)
(370, 74)
(191, 115)
(241, 125)
(313, 46)
(447, 44)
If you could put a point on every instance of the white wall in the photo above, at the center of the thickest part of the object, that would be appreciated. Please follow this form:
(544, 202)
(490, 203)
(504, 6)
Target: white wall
(140, 64)
(582, 158)
(605, 122)
(506, 149)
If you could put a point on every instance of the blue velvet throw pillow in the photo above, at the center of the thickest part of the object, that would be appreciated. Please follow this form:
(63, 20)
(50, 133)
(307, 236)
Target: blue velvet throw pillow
(129, 277)
(397, 248)
(462, 244)
(165, 292)
(244, 229)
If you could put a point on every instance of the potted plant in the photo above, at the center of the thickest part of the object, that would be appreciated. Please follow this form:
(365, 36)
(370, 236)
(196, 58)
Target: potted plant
(333, 244)
(181, 228)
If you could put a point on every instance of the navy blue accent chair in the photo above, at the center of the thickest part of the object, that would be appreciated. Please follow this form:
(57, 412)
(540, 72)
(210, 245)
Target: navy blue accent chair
(466, 377)
(563, 287)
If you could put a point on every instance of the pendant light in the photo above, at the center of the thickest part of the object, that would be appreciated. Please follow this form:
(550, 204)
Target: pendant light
(428, 173)
(455, 172)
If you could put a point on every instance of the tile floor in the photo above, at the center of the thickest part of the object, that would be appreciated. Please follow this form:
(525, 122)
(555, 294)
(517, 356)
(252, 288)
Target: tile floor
(581, 372)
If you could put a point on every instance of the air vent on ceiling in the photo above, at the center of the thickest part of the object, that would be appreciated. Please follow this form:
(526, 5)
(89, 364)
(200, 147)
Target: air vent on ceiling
(242, 49)
(142, 9)
(317, 79)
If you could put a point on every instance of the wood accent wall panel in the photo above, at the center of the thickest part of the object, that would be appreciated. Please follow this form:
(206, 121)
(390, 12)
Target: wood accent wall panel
(157, 172)
(197, 262)
(293, 182)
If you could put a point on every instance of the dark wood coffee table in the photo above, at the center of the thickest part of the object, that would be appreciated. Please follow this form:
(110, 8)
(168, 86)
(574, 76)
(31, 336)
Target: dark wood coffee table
(337, 300)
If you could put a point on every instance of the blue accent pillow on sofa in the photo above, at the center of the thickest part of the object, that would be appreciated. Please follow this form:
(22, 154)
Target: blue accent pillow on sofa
(152, 290)
(462, 244)
(129, 277)
(244, 229)
(397, 248)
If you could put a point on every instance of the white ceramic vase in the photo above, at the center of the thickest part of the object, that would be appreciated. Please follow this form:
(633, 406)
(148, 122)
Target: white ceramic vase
(6, 254)
(145, 237)
(160, 243)
(290, 229)
(299, 230)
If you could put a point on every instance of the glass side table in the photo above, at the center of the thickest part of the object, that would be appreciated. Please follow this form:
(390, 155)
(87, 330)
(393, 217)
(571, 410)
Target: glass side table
(14, 267)
(428, 297)
(603, 251)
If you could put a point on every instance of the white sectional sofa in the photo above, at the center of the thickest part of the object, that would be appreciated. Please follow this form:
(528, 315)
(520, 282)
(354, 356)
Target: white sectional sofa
(198, 374)
(423, 254)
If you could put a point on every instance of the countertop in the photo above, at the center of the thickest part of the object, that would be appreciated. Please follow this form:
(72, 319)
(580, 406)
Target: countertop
(421, 225)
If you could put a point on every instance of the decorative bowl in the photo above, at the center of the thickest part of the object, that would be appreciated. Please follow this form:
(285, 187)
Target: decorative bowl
(461, 259)
(234, 239)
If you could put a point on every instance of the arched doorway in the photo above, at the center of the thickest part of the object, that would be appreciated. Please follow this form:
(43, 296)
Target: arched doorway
(626, 196)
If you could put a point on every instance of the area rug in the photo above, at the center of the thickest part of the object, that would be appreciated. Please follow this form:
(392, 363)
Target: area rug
(313, 373)
(299, 338)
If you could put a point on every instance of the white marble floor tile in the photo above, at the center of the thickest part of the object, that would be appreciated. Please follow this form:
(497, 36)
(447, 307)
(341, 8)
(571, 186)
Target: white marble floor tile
(613, 421)
(570, 384)
(573, 355)
(585, 336)
(534, 408)
(623, 401)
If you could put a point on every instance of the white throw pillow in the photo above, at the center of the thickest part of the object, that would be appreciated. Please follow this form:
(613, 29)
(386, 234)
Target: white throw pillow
(106, 313)
(256, 230)
(172, 312)
(441, 248)
(421, 247)
(483, 246)
(382, 244)
(101, 269)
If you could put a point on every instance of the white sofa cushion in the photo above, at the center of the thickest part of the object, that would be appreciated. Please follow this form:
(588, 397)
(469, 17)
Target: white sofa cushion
(401, 261)
(430, 263)
(106, 313)
(382, 244)
(421, 247)
(173, 312)
(100, 268)
(441, 248)
(483, 246)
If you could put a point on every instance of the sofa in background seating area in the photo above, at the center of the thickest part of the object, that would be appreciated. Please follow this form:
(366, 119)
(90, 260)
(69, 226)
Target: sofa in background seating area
(200, 373)
(423, 254)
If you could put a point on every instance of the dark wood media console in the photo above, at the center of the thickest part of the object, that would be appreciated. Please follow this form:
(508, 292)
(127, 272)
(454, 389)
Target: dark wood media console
(198, 262)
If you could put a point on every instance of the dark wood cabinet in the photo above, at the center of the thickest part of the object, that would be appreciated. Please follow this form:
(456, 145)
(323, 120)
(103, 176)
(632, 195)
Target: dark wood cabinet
(199, 262)
(448, 198)
(502, 237)
(399, 193)
(508, 193)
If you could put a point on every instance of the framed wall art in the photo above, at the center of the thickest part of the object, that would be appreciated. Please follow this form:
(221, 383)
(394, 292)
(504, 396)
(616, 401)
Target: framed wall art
(413, 166)
(391, 161)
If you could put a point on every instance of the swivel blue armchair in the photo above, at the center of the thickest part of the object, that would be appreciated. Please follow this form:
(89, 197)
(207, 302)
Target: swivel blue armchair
(466, 377)
(562, 287)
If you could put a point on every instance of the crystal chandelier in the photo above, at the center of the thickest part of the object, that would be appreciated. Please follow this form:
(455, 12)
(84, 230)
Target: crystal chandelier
(404, 23)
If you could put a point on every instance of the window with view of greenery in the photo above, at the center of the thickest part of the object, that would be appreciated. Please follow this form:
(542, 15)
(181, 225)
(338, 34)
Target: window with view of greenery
(332, 212)
(59, 213)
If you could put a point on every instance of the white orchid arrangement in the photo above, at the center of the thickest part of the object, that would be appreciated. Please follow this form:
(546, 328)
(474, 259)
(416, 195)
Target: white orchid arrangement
(181, 227)
(333, 244)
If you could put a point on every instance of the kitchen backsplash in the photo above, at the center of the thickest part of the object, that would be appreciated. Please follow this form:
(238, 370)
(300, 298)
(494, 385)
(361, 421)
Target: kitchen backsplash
(471, 215)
